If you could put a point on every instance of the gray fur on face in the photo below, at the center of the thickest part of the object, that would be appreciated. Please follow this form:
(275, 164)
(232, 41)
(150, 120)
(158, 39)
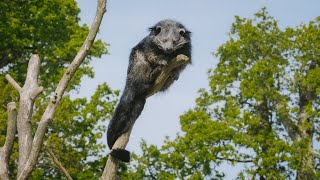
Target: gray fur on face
(169, 35)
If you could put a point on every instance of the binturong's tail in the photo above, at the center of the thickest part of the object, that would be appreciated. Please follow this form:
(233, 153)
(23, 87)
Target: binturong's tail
(125, 115)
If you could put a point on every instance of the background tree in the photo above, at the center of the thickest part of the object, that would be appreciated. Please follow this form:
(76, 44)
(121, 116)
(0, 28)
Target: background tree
(261, 110)
(52, 29)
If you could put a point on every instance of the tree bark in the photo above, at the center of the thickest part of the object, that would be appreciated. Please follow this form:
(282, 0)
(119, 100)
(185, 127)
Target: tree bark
(5, 151)
(111, 168)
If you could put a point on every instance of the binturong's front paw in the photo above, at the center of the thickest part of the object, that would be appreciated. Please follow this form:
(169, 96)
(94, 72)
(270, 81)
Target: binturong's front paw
(163, 63)
(174, 75)
(155, 73)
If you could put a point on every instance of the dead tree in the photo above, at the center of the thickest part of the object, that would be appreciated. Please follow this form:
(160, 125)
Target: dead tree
(30, 147)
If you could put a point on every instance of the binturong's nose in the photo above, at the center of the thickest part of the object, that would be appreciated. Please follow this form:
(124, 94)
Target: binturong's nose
(168, 46)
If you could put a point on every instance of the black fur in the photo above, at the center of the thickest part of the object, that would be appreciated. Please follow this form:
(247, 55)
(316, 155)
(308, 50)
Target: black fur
(166, 40)
(121, 154)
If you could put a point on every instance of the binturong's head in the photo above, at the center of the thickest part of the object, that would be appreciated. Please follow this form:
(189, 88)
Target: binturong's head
(169, 36)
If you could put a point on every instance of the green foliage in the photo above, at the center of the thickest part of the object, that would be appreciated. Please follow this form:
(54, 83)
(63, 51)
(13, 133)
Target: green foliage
(52, 29)
(266, 78)
(49, 28)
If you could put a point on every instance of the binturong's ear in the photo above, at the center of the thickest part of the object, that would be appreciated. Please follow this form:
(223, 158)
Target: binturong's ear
(151, 28)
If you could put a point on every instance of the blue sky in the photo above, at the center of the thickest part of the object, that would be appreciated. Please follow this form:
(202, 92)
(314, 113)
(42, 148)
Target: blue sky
(126, 23)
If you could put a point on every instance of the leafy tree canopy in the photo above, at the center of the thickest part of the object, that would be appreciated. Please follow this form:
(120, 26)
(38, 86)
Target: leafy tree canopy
(49, 28)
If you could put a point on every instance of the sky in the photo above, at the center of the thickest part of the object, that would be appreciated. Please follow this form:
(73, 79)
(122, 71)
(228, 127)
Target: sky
(126, 23)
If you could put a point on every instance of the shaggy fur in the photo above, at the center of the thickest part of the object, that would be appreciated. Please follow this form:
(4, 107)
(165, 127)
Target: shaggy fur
(166, 40)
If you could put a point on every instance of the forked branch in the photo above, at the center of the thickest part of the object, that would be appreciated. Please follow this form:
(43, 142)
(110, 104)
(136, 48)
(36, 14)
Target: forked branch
(28, 93)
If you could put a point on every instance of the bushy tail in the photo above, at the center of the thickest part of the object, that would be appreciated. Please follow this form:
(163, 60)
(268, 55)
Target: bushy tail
(125, 115)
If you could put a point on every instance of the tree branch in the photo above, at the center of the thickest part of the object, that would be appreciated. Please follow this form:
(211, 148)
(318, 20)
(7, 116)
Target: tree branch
(13, 83)
(5, 151)
(37, 91)
(58, 163)
(64, 82)
(235, 160)
(161, 80)
(286, 121)
(111, 167)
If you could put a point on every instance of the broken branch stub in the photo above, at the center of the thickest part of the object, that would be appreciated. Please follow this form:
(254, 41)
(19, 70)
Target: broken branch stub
(166, 72)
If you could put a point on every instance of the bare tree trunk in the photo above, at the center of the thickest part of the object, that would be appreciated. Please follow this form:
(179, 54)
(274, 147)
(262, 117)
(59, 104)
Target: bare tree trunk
(111, 168)
(5, 151)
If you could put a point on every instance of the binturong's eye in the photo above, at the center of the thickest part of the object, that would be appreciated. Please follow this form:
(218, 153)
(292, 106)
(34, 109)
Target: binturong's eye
(158, 30)
(182, 32)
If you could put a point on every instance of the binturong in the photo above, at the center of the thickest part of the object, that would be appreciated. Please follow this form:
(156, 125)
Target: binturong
(166, 40)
